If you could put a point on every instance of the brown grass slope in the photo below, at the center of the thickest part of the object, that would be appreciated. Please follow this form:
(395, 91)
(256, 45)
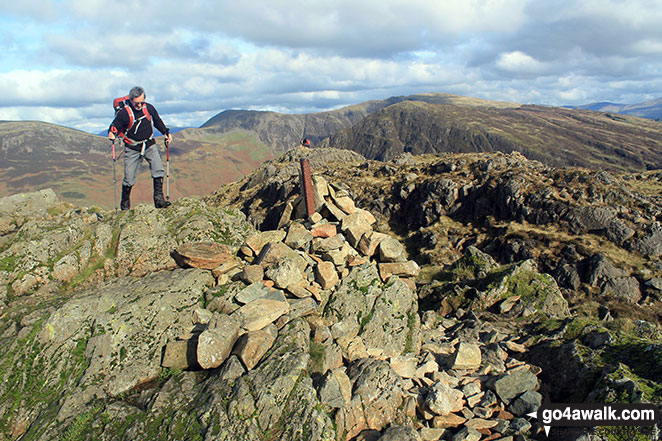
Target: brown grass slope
(555, 136)
(79, 166)
(282, 131)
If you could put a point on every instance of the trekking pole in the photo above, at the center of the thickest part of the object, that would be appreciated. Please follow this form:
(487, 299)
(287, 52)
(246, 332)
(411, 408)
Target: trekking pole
(114, 176)
(167, 146)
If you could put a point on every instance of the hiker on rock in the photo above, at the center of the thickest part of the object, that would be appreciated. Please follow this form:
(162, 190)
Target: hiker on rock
(133, 123)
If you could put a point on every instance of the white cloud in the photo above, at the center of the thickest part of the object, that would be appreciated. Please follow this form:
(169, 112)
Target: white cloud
(198, 58)
(519, 63)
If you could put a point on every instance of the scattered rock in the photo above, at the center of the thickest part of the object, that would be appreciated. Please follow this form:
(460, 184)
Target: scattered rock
(251, 347)
(205, 255)
(216, 342)
(467, 356)
(444, 400)
(512, 384)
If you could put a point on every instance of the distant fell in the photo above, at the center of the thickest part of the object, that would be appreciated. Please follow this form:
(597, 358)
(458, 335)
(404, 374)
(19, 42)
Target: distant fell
(649, 109)
(79, 166)
(553, 135)
(282, 131)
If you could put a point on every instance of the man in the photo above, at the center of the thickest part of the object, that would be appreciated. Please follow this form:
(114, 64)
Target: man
(134, 120)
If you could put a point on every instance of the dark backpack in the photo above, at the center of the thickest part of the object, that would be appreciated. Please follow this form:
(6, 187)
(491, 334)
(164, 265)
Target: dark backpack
(123, 103)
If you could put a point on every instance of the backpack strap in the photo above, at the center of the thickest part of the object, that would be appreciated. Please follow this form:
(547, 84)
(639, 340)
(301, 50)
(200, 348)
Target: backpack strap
(132, 119)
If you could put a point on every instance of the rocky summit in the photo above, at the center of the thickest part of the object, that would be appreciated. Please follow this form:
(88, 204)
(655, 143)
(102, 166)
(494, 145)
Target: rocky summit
(426, 298)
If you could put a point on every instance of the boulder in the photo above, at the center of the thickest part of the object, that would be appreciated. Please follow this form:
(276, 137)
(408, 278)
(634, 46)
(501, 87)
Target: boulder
(215, 343)
(298, 236)
(599, 269)
(404, 365)
(274, 252)
(326, 275)
(260, 312)
(369, 242)
(324, 230)
(123, 352)
(626, 288)
(651, 244)
(180, 354)
(391, 250)
(336, 388)
(252, 274)
(32, 204)
(385, 316)
(276, 395)
(443, 399)
(512, 384)
(402, 269)
(400, 433)
(205, 255)
(377, 397)
(284, 273)
(251, 347)
(526, 403)
(467, 356)
(257, 241)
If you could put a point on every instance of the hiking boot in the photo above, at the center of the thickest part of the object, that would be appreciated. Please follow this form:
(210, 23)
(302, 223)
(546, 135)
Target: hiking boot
(159, 200)
(125, 204)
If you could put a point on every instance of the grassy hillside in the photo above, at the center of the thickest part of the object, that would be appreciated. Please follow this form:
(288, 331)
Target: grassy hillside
(555, 136)
(79, 167)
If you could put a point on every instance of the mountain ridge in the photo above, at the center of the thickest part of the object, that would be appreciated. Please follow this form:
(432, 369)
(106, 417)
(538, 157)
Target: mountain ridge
(651, 109)
(79, 167)
(555, 136)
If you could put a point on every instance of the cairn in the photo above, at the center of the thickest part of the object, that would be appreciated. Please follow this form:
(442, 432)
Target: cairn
(459, 378)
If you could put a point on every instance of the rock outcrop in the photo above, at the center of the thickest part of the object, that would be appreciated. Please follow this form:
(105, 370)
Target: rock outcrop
(187, 323)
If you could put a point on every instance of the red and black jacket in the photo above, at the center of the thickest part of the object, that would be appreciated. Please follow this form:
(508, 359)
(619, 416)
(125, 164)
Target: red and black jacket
(137, 127)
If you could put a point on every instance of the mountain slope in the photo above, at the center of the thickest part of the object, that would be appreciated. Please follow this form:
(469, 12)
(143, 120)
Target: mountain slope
(555, 136)
(282, 131)
(79, 166)
(649, 109)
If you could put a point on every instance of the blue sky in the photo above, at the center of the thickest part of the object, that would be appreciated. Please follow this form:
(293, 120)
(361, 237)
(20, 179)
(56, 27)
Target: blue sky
(63, 61)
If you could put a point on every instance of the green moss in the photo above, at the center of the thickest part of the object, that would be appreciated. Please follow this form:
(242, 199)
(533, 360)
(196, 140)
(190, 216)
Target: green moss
(364, 288)
(220, 291)
(317, 358)
(409, 339)
(576, 326)
(8, 263)
(80, 428)
(548, 325)
(30, 383)
(167, 373)
(640, 361)
(363, 321)
(522, 285)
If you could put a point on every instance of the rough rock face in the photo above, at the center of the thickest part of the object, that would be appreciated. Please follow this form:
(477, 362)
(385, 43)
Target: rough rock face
(44, 252)
(323, 328)
(110, 349)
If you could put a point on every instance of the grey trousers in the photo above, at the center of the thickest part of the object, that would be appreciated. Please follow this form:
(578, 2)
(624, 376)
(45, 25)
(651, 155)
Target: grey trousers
(132, 160)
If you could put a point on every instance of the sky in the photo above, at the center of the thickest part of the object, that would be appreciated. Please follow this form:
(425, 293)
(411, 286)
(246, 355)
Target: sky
(63, 61)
